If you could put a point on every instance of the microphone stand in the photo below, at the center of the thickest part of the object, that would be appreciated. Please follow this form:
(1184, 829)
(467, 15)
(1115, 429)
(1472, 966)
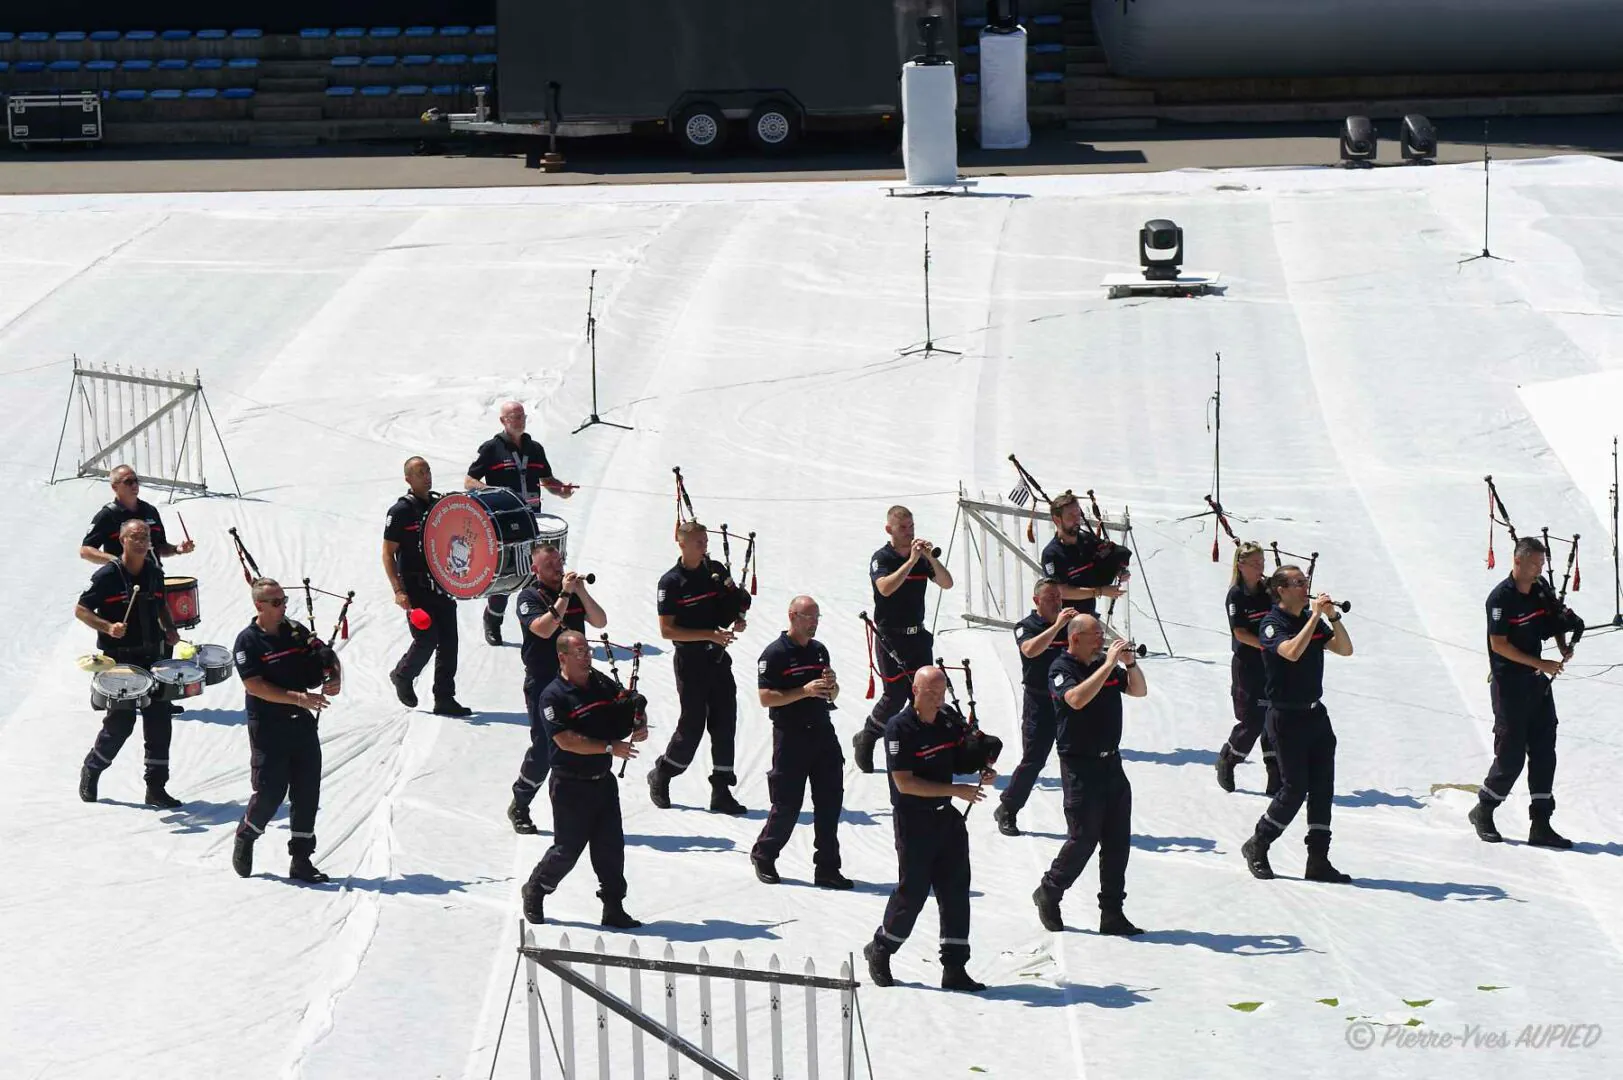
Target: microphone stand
(1487, 160)
(591, 338)
(929, 345)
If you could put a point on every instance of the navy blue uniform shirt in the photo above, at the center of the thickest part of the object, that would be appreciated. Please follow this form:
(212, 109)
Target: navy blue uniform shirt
(404, 527)
(1075, 565)
(1246, 610)
(519, 469)
(1289, 683)
(1034, 670)
(787, 666)
(595, 711)
(108, 594)
(1523, 618)
(925, 750)
(903, 608)
(541, 653)
(691, 596)
(290, 658)
(1094, 729)
(103, 532)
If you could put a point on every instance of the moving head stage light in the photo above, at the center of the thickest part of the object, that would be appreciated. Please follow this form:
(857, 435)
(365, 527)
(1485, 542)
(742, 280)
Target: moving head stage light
(1160, 250)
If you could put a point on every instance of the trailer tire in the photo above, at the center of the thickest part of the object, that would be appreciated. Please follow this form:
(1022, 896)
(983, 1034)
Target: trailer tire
(701, 128)
(774, 127)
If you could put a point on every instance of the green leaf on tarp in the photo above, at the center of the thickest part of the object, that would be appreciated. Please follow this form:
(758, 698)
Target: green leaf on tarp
(1418, 1003)
(1332, 1002)
(976, 1068)
(1493, 988)
(1246, 1006)
(1412, 1022)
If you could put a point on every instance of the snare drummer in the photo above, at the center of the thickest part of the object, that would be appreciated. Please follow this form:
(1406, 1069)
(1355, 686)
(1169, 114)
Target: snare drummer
(414, 588)
(102, 544)
(132, 627)
(512, 460)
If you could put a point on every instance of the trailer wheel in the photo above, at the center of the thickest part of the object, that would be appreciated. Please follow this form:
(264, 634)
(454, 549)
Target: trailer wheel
(774, 127)
(701, 128)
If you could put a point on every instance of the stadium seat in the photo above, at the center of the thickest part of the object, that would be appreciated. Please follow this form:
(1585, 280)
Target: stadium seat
(5, 65)
(237, 93)
(446, 90)
(63, 65)
(141, 35)
(969, 77)
(176, 35)
(346, 61)
(350, 32)
(211, 35)
(416, 60)
(243, 62)
(451, 58)
(33, 36)
(375, 91)
(975, 22)
(136, 65)
(70, 35)
(247, 34)
(486, 31)
(1048, 76)
(1047, 20)
(101, 65)
(454, 31)
(384, 32)
(203, 92)
(484, 58)
(411, 90)
(971, 50)
(380, 61)
(7, 35)
(172, 63)
(420, 31)
(104, 35)
(1048, 47)
(203, 63)
(29, 67)
(340, 91)
(166, 94)
(315, 33)
(130, 95)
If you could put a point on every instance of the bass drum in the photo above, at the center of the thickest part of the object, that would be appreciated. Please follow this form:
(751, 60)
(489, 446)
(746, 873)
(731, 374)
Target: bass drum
(477, 543)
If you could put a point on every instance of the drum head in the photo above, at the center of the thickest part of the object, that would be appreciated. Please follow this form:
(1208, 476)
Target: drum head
(551, 529)
(176, 672)
(462, 546)
(123, 682)
(213, 656)
(171, 583)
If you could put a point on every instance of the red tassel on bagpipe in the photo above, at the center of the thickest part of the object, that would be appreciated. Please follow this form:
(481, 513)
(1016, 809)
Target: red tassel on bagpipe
(1214, 547)
(1577, 575)
(343, 627)
(1031, 531)
(752, 581)
(870, 663)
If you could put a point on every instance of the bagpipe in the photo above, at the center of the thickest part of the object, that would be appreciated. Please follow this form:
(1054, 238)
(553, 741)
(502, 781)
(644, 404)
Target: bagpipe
(734, 602)
(1555, 602)
(632, 706)
(1110, 559)
(877, 639)
(977, 751)
(322, 648)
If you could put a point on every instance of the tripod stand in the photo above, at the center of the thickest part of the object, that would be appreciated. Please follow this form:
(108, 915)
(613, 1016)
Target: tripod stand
(929, 345)
(591, 337)
(1487, 160)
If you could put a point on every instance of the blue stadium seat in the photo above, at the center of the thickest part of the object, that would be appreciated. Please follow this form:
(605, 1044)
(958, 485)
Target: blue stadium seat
(420, 31)
(140, 35)
(7, 35)
(1049, 76)
(247, 34)
(101, 65)
(168, 93)
(346, 61)
(340, 91)
(63, 65)
(451, 58)
(104, 35)
(454, 31)
(204, 63)
(243, 62)
(487, 31)
(375, 91)
(975, 22)
(1047, 20)
(446, 90)
(70, 35)
(1048, 47)
(211, 35)
(315, 33)
(970, 77)
(130, 95)
(33, 36)
(5, 65)
(136, 65)
(416, 60)
(172, 64)
(484, 58)
(384, 32)
(29, 67)
(176, 35)
(971, 50)
(411, 90)
(380, 61)
(238, 93)
(350, 32)
(204, 92)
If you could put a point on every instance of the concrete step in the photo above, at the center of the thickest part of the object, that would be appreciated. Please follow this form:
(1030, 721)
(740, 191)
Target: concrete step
(1100, 68)
(1085, 98)
(1104, 82)
(287, 112)
(265, 100)
(292, 85)
(294, 69)
(1084, 54)
(1116, 123)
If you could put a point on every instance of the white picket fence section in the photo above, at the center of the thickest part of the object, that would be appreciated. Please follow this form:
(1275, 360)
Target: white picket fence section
(691, 994)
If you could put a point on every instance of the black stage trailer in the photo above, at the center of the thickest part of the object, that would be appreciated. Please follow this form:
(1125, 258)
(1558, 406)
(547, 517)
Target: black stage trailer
(695, 67)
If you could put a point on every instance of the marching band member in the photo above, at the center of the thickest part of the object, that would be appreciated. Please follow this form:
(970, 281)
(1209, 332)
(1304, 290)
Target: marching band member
(1041, 639)
(1247, 603)
(414, 588)
(1071, 558)
(102, 543)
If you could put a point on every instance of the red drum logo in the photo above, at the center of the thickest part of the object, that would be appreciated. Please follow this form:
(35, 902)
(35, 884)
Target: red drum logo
(461, 547)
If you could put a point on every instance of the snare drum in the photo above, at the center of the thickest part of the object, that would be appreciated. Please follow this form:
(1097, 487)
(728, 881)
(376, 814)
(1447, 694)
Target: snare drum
(477, 543)
(216, 662)
(177, 679)
(554, 530)
(121, 686)
(180, 594)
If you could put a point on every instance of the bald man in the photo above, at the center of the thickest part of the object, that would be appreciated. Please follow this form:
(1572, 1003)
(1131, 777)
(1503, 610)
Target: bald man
(415, 588)
(798, 688)
(932, 845)
(511, 459)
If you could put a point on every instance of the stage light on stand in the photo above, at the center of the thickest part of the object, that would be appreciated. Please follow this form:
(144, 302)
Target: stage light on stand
(1358, 142)
(1160, 250)
(1418, 140)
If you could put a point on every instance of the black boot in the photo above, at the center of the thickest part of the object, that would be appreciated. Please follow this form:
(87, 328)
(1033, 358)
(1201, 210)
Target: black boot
(403, 689)
(88, 779)
(532, 899)
(659, 787)
(954, 977)
(1005, 820)
(1255, 851)
(493, 630)
(520, 817)
(1048, 909)
(1542, 835)
(161, 799)
(832, 879)
(766, 871)
(722, 801)
(878, 965)
(1481, 816)
(1319, 869)
(615, 917)
(449, 706)
(1226, 760)
(242, 855)
(302, 869)
(1113, 923)
(862, 744)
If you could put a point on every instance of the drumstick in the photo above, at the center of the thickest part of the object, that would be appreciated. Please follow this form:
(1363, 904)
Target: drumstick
(134, 592)
(184, 531)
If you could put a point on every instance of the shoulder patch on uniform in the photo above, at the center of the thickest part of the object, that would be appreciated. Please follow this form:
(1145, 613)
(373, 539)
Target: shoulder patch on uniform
(242, 656)
(1059, 680)
(661, 596)
(873, 567)
(761, 667)
(1231, 610)
(1048, 568)
(1020, 631)
(1268, 630)
(893, 745)
(547, 712)
(1498, 613)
